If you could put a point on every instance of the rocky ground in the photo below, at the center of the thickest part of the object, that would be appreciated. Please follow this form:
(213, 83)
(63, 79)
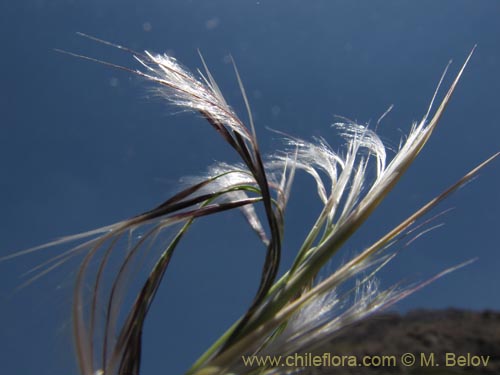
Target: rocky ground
(464, 338)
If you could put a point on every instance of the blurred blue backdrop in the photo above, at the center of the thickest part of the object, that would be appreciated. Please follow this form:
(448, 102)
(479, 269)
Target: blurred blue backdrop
(82, 145)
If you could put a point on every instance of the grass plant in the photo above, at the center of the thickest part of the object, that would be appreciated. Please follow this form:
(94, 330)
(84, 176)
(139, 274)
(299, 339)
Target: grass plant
(290, 313)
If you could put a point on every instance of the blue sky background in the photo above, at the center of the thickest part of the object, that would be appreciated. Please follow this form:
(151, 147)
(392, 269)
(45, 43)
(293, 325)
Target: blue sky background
(82, 146)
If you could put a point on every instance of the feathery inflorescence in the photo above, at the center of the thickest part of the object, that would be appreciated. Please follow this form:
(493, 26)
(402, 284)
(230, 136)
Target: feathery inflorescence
(290, 314)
